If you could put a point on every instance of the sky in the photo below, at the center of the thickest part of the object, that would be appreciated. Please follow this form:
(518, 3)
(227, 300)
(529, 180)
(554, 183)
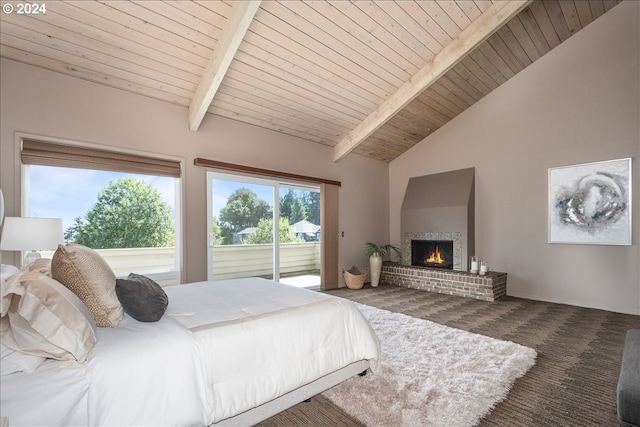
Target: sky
(222, 189)
(67, 193)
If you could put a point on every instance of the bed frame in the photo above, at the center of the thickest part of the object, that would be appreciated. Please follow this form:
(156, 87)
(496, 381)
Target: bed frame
(292, 398)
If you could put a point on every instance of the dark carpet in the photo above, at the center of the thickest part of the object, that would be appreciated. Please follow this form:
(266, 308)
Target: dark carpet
(573, 382)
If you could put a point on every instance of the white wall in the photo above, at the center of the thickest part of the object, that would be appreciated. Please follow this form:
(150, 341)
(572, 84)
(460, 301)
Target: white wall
(54, 105)
(579, 103)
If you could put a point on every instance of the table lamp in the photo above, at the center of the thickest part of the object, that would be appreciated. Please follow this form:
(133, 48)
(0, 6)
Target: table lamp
(31, 234)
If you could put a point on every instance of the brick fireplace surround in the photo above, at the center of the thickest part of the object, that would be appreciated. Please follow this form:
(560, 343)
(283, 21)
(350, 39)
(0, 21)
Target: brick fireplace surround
(489, 287)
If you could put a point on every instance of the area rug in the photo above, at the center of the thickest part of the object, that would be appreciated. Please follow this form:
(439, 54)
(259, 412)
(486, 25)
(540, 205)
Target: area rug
(432, 375)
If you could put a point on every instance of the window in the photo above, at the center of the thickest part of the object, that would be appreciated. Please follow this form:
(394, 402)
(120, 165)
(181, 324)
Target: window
(245, 215)
(125, 206)
(329, 217)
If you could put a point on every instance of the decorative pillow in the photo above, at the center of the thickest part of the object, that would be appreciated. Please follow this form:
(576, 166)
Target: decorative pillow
(14, 361)
(142, 298)
(41, 265)
(7, 271)
(88, 275)
(42, 318)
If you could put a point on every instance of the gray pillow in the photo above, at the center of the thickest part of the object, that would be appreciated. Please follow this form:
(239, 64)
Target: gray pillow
(142, 298)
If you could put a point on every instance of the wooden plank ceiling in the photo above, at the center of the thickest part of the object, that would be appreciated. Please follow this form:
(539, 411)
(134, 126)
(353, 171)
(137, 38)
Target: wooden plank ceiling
(364, 77)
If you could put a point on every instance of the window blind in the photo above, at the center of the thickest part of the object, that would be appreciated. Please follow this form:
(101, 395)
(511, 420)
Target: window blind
(263, 172)
(70, 156)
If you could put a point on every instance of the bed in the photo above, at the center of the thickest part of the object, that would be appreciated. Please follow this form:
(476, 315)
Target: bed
(231, 352)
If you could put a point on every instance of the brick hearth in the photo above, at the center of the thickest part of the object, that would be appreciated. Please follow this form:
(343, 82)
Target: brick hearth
(489, 287)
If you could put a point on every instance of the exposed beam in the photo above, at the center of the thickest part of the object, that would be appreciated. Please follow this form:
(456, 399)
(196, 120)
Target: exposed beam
(498, 14)
(232, 35)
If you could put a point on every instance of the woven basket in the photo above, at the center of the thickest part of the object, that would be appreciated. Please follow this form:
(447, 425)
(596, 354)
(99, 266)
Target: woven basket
(354, 281)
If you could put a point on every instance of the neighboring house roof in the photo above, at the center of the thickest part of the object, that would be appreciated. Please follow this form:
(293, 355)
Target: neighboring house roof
(305, 227)
(246, 231)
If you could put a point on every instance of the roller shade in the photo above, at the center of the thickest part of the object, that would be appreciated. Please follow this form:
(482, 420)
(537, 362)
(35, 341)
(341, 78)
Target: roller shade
(69, 156)
(258, 171)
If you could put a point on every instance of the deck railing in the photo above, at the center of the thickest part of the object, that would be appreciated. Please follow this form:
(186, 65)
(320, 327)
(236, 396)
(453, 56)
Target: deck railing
(229, 261)
(257, 260)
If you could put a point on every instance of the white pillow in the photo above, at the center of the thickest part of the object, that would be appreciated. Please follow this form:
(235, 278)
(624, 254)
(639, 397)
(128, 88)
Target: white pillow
(43, 318)
(41, 265)
(14, 361)
(7, 271)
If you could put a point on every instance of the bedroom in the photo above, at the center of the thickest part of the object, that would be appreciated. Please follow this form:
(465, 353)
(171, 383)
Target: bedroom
(581, 106)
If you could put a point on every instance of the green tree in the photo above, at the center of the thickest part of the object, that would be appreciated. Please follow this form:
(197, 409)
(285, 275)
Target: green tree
(292, 207)
(243, 209)
(72, 231)
(264, 232)
(216, 232)
(129, 213)
(311, 201)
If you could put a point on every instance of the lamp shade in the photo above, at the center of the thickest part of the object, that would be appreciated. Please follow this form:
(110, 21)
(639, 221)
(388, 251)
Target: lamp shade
(27, 234)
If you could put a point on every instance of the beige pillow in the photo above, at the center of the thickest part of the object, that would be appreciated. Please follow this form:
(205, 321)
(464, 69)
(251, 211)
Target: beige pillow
(88, 275)
(41, 265)
(42, 318)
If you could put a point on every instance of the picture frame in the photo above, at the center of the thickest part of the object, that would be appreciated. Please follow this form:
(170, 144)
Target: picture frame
(590, 203)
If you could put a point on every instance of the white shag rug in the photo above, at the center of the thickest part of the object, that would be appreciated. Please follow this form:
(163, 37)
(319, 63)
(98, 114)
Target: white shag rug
(432, 375)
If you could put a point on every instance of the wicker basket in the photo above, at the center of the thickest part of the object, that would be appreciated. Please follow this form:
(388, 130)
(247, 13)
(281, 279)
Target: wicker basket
(354, 281)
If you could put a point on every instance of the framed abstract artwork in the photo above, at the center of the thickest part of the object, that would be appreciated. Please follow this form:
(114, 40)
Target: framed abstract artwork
(590, 203)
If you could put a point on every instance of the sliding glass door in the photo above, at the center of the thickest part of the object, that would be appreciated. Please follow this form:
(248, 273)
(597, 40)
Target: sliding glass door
(245, 214)
(300, 234)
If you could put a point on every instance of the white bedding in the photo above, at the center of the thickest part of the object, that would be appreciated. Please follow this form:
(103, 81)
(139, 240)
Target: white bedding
(144, 374)
(32, 399)
(138, 374)
(222, 348)
(275, 338)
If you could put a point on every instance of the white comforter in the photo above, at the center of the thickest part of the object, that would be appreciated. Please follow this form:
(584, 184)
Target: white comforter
(221, 349)
(261, 340)
(139, 374)
(145, 374)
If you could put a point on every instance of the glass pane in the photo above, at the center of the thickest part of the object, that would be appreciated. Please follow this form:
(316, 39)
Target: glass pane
(241, 239)
(300, 234)
(128, 218)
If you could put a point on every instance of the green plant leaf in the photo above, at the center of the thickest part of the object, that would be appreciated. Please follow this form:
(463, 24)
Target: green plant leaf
(370, 249)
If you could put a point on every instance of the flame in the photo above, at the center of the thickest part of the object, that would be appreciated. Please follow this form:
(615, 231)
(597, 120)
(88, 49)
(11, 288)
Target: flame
(435, 257)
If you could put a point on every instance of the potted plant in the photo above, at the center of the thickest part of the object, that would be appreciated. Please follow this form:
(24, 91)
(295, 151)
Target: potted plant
(376, 253)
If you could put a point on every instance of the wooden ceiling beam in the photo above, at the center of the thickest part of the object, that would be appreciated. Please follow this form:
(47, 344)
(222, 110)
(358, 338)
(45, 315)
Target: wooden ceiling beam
(498, 14)
(232, 35)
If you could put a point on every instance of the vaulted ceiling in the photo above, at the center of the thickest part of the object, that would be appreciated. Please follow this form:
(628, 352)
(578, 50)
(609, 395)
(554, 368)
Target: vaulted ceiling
(364, 77)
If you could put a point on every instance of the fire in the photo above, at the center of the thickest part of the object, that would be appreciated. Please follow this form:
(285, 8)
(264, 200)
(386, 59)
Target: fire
(435, 257)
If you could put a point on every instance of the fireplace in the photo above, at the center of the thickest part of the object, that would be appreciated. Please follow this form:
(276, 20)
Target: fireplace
(432, 253)
(451, 249)
(440, 206)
